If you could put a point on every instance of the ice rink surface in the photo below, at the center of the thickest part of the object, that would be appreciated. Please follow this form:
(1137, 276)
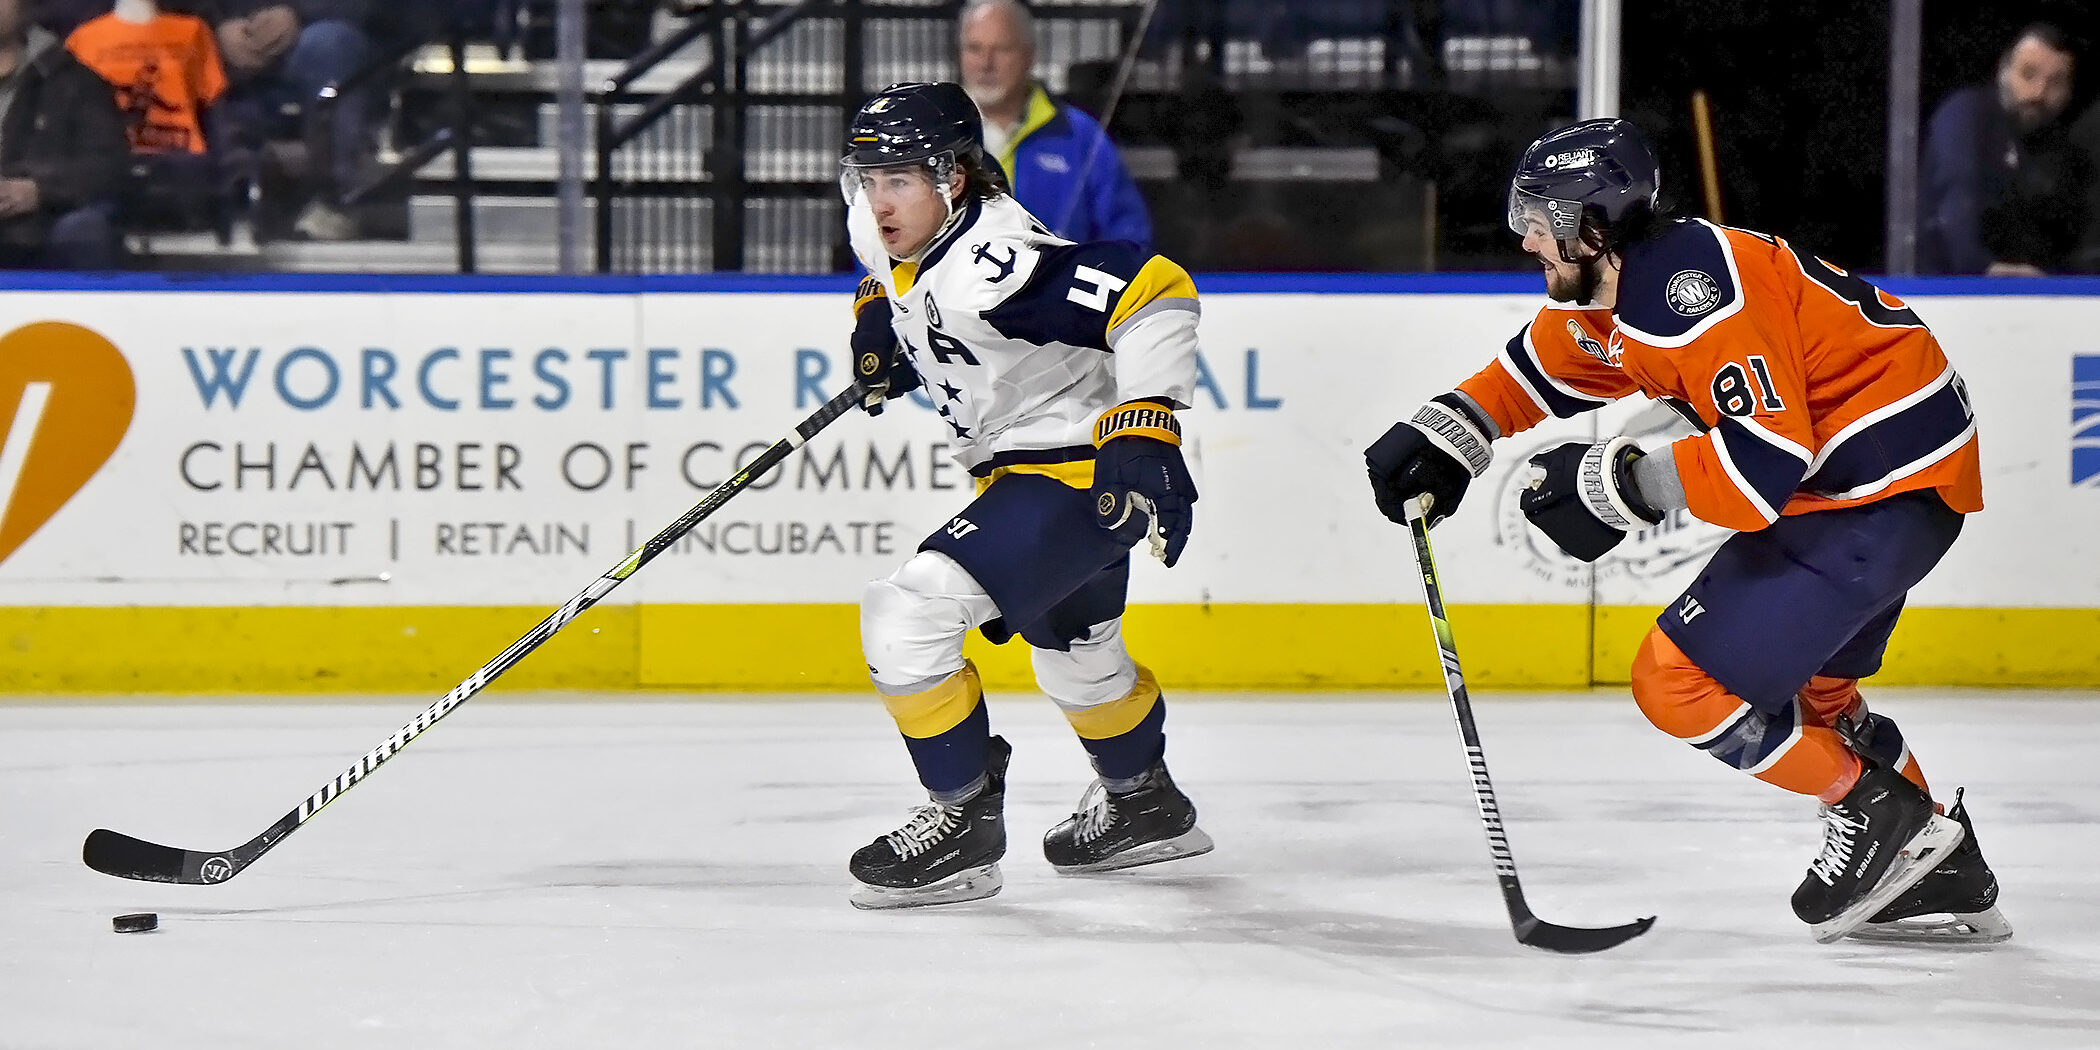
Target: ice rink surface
(603, 872)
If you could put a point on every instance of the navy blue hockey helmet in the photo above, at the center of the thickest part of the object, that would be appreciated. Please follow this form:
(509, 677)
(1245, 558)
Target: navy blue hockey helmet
(1599, 173)
(934, 124)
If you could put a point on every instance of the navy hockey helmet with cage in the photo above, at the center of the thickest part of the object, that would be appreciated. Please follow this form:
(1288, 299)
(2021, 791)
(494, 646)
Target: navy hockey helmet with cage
(933, 124)
(1599, 173)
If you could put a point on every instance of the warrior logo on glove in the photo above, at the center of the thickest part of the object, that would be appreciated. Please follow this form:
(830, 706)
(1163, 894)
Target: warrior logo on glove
(1142, 488)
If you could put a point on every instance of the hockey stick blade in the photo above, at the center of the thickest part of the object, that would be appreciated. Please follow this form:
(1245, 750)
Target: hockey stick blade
(1578, 940)
(125, 857)
(1531, 931)
(115, 853)
(118, 854)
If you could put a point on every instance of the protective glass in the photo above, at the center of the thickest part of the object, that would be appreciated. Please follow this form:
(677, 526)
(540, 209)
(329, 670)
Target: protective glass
(1530, 213)
(895, 183)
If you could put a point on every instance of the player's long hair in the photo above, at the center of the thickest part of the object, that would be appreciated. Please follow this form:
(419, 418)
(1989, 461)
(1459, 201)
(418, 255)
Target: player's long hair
(1637, 225)
(983, 179)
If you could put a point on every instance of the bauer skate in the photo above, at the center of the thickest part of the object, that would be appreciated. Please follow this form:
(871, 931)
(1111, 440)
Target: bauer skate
(944, 854)
(1154, 822)
(1878, 841)
(1956, 903)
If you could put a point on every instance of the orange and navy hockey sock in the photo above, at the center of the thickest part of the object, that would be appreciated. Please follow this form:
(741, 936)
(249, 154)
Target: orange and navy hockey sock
(1786, 747)
(1828, 698)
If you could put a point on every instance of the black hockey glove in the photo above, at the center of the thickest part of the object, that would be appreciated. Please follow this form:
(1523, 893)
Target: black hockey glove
(1436, 453)
(1142, 489)
(881, 370)
(1583, 498)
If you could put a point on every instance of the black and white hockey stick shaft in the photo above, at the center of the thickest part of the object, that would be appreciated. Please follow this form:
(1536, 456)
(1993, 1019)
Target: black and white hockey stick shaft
(1108, 111)
(1531, 930)
(125, 857)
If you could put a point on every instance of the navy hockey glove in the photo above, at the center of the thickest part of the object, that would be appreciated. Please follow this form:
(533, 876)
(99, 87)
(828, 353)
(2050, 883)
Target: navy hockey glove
(882, 371)
(1142, 489)
(1436, 453)
(1583, 498)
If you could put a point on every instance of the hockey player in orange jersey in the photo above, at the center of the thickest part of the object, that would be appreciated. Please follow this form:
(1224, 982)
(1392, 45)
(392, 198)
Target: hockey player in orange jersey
(1835, 439)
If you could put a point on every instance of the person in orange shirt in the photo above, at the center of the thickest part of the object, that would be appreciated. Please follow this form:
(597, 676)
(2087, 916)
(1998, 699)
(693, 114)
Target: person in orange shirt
(1834, 438)
(165, 70)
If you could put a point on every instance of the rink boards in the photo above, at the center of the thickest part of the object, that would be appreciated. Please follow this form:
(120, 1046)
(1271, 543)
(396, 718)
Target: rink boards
(273, 484)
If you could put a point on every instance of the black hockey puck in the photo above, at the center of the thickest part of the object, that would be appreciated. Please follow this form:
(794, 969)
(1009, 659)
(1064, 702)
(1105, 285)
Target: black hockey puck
(137, 922)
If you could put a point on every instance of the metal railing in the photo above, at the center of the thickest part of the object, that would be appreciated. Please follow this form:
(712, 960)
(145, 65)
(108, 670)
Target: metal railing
(715, 149)
(735, 166)
(456, 136)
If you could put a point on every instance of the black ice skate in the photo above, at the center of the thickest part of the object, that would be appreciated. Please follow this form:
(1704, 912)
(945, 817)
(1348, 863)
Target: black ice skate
(1153, 823)
(1878, 841)
(943, 854)
(1956, 903)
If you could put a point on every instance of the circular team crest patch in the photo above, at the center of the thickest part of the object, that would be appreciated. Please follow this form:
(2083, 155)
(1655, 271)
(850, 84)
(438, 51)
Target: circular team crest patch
(1692, 292)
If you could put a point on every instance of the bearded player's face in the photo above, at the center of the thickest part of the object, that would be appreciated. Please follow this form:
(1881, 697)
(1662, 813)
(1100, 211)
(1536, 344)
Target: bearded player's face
(1563, 278)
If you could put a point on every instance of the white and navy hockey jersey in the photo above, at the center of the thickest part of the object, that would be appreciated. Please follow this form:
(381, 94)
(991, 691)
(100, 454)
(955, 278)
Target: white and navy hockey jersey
(1024, 339)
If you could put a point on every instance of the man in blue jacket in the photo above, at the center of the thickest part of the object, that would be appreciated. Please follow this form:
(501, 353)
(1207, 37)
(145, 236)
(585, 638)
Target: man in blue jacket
(1060, 163)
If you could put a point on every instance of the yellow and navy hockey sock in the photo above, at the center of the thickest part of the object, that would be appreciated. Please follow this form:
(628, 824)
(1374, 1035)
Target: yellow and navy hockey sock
(948, 732)
(1125, 736)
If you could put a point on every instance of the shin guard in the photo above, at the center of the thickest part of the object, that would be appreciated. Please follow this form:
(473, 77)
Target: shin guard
(1782, 747)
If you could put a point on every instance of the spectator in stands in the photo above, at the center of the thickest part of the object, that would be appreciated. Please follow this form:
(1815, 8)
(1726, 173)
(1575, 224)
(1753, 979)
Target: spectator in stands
(1061, 165)
(63, 16)
(62, 154)
(164, 68)
(2002, 188)
(280, 54)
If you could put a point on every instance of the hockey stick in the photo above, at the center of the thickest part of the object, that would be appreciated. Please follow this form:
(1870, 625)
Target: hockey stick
(1108, 112)
(125, 857)
(1532, 931)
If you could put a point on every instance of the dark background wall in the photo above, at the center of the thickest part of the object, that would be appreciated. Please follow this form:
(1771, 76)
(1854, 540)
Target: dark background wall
(1799, 91)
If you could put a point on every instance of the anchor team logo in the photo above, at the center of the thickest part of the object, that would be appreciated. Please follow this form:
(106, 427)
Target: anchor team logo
(983, 253)
(66, 399)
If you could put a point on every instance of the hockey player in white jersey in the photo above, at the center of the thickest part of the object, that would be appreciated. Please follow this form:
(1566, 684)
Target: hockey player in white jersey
(1056, 369)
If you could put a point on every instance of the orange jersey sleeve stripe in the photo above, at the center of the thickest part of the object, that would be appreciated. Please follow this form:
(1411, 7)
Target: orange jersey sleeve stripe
(1563, 358)
(1556, 365)
(1503, 399)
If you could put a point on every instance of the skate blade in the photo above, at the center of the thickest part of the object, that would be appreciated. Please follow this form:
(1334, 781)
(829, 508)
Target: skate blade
(1190, 843)
(1915, 861)
(970, 884)
(1984, 927)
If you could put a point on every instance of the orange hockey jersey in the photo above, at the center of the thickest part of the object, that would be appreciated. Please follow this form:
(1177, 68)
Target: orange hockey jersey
(165, 73)
(1818, 389)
